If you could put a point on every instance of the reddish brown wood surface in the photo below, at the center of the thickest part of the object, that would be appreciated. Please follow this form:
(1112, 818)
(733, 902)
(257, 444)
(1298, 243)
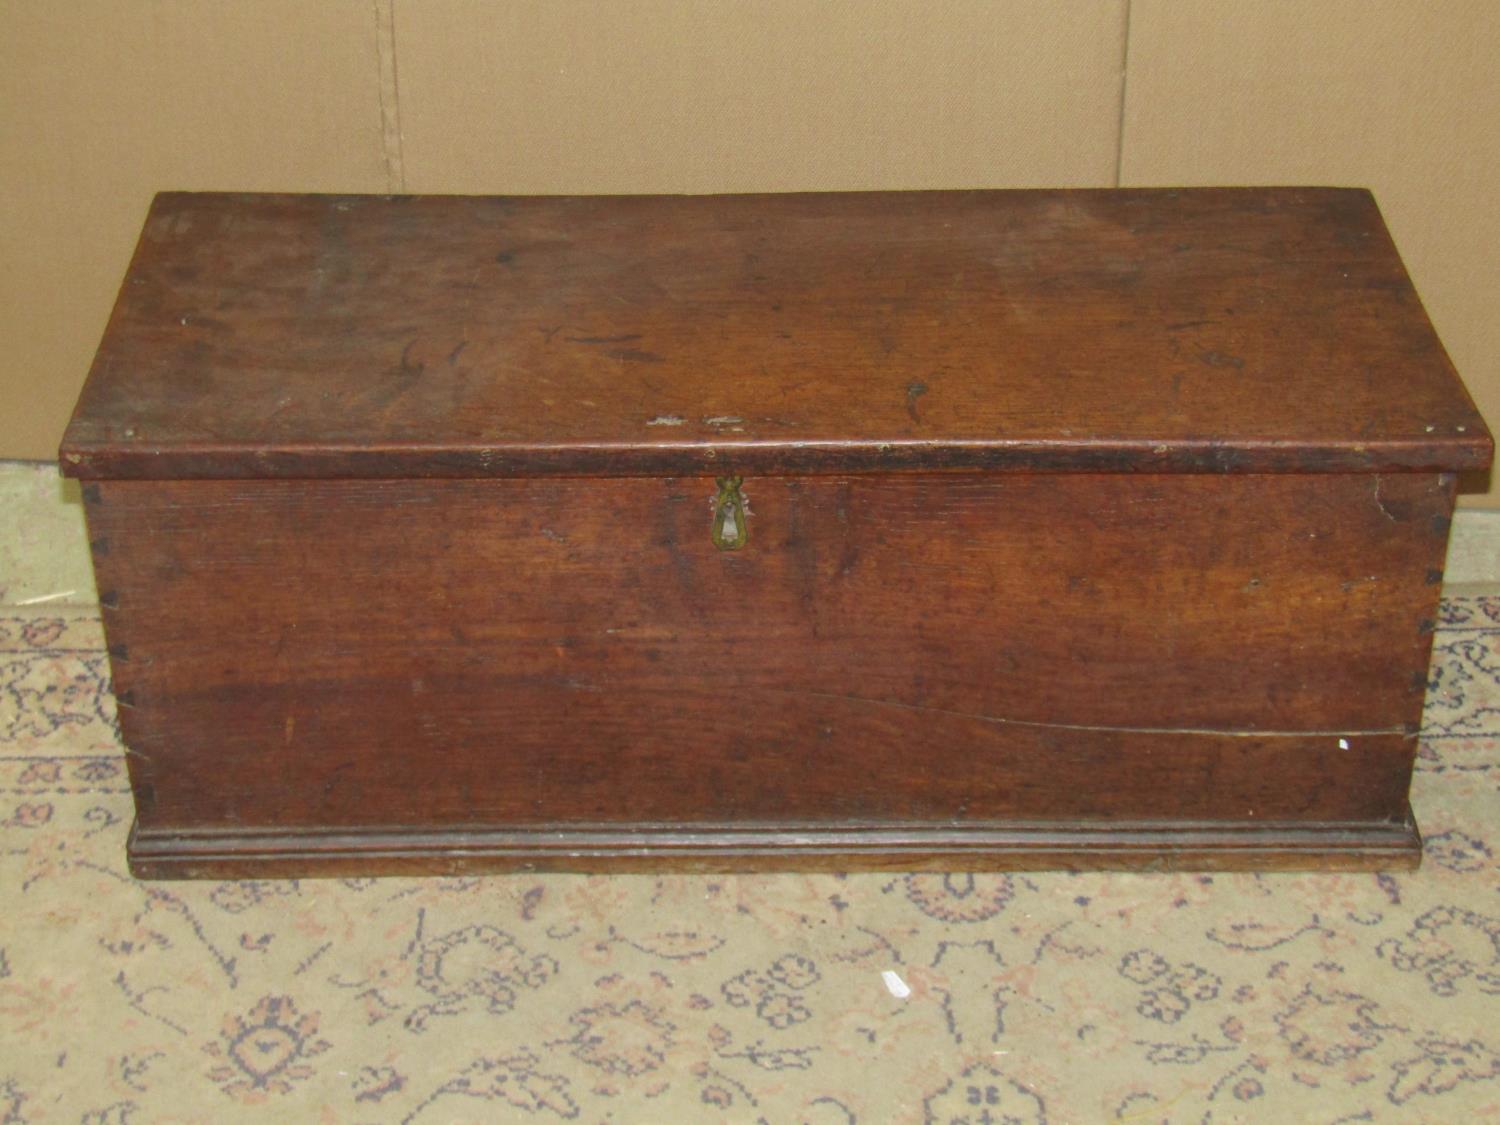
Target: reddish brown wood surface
(918, 652)
(1145, 330)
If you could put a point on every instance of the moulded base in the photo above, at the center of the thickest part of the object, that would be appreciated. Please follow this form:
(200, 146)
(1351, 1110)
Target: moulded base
(162, 853)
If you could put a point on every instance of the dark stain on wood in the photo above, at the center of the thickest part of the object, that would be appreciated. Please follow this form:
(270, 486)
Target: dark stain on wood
(1221, 359)
(407, 368)
(914, 390)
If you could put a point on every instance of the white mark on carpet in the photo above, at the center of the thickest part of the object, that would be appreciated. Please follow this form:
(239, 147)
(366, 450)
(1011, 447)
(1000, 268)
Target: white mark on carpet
(895, 985)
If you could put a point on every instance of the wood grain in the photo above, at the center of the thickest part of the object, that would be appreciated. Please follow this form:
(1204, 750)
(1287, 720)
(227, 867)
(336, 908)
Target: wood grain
(1201, 330)
(936, 650)
(1087, 527)
(1121, 846)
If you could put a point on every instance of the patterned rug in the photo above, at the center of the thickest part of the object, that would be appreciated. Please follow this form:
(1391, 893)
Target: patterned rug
(823, 999)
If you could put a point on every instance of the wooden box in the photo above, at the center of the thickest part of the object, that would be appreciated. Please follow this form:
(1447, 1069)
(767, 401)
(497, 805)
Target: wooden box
(914, 530)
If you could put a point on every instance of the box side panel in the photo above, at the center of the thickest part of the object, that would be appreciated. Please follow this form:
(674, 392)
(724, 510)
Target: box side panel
(895, 650)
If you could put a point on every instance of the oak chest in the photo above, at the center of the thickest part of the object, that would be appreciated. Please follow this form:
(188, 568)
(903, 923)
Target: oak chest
(949, 530)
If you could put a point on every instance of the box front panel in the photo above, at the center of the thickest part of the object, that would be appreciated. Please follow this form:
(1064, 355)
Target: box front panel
(954, 649)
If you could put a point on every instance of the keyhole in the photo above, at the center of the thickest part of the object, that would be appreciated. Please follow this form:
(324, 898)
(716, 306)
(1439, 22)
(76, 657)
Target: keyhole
(730, 530)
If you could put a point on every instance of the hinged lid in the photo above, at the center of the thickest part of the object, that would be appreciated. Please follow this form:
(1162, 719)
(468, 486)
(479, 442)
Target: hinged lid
(1202, 330)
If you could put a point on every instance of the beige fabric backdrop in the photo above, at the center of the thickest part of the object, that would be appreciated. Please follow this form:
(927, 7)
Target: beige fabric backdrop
(101, 104)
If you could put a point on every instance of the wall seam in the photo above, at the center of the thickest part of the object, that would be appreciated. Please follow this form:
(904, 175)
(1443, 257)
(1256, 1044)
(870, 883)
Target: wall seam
(1124, 89)
(390, 96)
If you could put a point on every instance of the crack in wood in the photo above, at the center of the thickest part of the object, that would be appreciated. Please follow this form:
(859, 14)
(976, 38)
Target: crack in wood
(1098, 728)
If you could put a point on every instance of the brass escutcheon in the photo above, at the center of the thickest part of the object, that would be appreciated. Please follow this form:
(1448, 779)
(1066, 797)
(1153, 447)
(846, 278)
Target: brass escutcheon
(731, 530)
